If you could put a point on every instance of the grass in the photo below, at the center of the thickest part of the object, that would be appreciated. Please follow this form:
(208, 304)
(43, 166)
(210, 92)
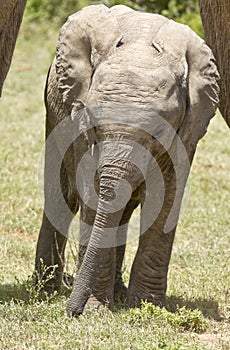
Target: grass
(198, 286)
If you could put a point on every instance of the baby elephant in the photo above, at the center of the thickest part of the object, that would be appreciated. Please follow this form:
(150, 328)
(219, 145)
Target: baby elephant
(128, 96)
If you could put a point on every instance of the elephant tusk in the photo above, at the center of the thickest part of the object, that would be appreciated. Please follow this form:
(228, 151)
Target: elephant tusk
(92, 150)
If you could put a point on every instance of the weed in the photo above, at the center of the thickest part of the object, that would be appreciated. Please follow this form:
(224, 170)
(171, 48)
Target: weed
(183, 319)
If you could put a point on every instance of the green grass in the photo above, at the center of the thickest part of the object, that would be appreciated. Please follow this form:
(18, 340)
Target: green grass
(198, 286)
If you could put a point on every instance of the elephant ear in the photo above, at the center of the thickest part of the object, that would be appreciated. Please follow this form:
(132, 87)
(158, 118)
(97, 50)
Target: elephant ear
(203, 91)
(84, 40)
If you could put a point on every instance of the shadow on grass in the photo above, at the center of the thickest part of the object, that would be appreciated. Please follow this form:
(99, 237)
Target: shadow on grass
(19, 292)
(15, 291)
(24, 291)
(209, 308)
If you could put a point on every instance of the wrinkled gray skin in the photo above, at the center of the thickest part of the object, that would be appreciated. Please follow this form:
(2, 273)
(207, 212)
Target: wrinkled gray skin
(215, 16)
(11, 13)
(109, 61)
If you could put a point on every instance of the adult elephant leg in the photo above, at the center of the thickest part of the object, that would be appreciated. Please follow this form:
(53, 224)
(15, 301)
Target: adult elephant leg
(61, 204)
(11, 13)
(120, 290)
(215, 15)
(148, 280)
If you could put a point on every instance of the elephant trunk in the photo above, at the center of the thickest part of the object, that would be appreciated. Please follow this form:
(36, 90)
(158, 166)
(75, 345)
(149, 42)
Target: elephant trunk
(97, 272)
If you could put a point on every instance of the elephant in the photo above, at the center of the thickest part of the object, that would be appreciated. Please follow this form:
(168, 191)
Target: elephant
(11, 13)
(215, 16)
(128, 96)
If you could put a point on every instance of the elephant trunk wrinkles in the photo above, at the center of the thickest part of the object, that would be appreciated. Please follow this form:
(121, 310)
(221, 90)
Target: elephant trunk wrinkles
(97, 271)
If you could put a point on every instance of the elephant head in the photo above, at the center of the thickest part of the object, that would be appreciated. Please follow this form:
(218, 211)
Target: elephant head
(86, 46)
(131, 78)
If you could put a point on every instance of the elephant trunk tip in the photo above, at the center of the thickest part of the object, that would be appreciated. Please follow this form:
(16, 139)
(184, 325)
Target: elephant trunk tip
(77, 301)
(72, 311)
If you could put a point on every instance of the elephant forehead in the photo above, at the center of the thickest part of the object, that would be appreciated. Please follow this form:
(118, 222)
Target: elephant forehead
(136, 24)
(144, 60)
(133, 83)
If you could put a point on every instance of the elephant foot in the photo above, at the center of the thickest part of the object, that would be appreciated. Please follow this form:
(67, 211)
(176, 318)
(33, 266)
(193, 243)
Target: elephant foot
(93, 303)
(136, 301)
(120, 290)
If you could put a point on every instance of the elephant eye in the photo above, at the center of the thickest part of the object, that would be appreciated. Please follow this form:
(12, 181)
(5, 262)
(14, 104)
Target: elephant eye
(120, 43)
(157, 47)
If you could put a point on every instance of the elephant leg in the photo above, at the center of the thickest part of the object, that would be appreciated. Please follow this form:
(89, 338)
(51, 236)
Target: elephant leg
(148, 280)
(61, 204)
(120, 290)
(50, 255)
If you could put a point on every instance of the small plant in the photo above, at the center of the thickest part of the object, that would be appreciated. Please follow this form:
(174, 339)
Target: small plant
(34, 286)
(184, 319)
